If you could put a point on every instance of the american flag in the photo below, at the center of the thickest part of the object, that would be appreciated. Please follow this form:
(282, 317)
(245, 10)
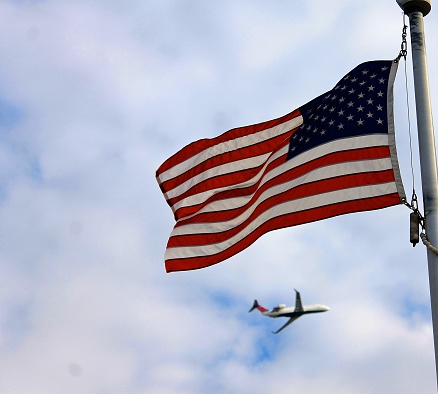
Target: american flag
(332, 156)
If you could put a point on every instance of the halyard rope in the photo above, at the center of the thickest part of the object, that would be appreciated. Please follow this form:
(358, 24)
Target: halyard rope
(428, 244)
(414, 202)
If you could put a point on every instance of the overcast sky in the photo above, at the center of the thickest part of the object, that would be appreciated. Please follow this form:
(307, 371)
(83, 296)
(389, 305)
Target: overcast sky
(94, 96)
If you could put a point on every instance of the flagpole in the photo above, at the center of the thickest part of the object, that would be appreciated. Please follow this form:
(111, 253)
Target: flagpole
(416, 9)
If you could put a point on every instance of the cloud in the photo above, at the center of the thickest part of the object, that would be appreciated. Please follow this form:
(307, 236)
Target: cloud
(94, 96)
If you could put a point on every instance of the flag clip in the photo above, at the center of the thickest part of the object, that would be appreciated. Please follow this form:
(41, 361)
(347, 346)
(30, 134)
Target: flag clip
(404, 44)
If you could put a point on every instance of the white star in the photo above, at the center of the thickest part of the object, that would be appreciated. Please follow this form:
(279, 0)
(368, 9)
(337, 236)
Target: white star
(340, 126)
(360, 108)
(350, 117)
(370, 101)
(360, 122)
(369, 114)
(360, 95)
(382, 80)
(332, 122)
(371, 88)
(341, 112)
(380, 94)
(379, 121)
(379, 108)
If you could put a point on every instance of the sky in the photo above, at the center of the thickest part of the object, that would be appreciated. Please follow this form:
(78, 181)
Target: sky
(94, 96)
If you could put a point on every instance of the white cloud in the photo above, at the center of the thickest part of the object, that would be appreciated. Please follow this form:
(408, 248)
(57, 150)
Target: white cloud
(93, 97)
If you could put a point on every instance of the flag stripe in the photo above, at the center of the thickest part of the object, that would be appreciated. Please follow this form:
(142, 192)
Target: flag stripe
(237, 180)
(189, 204)
(177, 258)
(228, 162)
(196, 234)
(287, 220)
(230, 208)
(203, 150)
(211, 180)
(236, 174)
(296, 206)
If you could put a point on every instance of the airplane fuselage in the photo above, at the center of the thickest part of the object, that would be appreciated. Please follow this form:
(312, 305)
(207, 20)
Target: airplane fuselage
(282, 311)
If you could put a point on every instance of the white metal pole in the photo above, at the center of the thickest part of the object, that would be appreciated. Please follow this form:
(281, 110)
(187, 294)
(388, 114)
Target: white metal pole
(416, 9)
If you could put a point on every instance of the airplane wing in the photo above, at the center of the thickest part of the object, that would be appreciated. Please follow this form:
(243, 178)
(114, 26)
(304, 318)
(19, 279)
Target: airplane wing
(291, 320)
(298, 304)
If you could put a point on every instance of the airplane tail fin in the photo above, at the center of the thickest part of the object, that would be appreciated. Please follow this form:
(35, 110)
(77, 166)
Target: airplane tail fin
(257, 306)
(298, 304)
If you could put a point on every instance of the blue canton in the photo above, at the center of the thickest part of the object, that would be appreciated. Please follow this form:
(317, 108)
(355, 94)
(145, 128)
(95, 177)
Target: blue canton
(356, 106)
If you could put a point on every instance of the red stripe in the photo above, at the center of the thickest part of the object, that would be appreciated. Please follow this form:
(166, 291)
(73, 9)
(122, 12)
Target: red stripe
(261, 148)
(329, 159)
(230, 192)
(229, 179)
(198, 146)
(288, 220)
(298, 191)
(315, 188)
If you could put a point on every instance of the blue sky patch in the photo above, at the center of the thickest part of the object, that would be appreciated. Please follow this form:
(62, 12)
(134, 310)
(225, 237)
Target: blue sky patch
(10, 114)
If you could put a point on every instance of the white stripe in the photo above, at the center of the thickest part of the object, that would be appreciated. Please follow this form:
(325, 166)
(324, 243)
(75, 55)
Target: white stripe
(279, 210)
(229, 146)
(251, 162)
(319, 151)
(199, 198)
(320, 173)
(316, 175)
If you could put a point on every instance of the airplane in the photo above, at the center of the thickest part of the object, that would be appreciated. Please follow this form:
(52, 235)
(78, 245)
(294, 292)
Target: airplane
(292, 313)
